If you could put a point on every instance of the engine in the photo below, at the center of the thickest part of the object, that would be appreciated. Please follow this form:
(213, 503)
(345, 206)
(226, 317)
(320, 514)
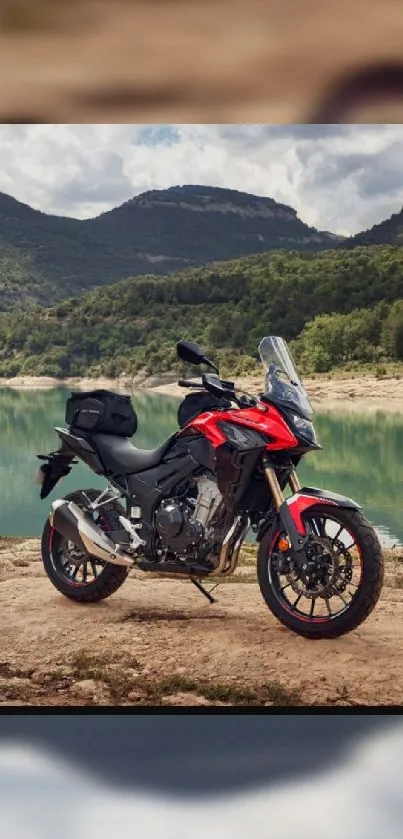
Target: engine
(192, 522)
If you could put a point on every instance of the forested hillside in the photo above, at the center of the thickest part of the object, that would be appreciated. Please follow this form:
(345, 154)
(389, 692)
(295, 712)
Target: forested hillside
(51, 258)
(321, 302)
(388, 232)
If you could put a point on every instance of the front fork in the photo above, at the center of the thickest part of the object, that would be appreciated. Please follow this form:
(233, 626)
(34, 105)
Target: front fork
(297, 540)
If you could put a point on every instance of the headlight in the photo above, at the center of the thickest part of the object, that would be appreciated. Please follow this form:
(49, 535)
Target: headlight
(304, 428)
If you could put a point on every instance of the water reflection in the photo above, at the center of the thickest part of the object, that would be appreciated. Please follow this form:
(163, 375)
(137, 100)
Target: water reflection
(361, 457)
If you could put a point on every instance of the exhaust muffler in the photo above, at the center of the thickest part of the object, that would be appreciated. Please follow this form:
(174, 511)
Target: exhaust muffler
(72, 523)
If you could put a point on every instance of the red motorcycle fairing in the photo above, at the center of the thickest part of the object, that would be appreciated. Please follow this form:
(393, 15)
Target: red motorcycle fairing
(311, 497)
(267, 420)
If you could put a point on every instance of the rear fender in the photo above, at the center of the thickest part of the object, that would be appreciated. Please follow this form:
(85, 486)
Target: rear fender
(82, 448)
(55, 466)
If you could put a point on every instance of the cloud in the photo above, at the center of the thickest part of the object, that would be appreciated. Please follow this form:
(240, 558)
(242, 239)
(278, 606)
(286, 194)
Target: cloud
(338, 177)
(359, 799)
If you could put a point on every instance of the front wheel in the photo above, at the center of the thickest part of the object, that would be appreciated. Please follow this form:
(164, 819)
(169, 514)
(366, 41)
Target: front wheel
(78, 575)
(338, 584)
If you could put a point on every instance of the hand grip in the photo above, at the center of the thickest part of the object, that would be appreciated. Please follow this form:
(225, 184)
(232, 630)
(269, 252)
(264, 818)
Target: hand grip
(188, 383)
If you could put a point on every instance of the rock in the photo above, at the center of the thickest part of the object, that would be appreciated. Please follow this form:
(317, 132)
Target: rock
(41, 676)
(87, 688)
(136, 696)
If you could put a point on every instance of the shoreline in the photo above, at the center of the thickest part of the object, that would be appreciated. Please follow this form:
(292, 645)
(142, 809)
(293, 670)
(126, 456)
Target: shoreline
(359, 393)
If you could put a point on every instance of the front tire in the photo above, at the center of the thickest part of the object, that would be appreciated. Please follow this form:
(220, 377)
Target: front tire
(364, 594)
(79, 576)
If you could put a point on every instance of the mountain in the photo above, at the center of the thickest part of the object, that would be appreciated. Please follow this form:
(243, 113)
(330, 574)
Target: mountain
(158, 232)
(60, 254)
(388, 232)
(197, 224)
(133, 325)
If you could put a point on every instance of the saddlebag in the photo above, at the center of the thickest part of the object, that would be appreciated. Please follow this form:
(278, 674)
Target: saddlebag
(101, 412)
(196, 403)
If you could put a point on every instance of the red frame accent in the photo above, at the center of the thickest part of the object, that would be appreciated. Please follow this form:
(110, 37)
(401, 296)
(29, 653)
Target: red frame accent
(266, 419)
(300, 502)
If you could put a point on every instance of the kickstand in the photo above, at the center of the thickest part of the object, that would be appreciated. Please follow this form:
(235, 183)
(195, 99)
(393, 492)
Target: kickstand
(204, 591)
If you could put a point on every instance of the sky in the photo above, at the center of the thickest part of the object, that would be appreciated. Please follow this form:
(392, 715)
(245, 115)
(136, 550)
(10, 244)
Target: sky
(342, 178)
(42, 798)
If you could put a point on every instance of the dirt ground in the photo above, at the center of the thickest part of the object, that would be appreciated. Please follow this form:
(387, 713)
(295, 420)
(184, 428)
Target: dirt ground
(200, 61)
(159, 642)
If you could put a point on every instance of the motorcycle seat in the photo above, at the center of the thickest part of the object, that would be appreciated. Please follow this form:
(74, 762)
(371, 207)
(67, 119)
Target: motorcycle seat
(120, 457)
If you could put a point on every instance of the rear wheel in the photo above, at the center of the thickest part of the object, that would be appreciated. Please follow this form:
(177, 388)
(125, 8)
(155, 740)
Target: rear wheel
(78, 575)
(340, 582)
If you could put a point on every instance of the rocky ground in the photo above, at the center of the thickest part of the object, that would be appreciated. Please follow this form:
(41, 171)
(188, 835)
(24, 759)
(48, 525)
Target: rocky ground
(159, 642)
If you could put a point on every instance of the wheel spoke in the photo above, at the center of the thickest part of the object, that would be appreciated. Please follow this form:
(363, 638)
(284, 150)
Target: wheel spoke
(328, 607)
(339, 594)
(75, 572)
(319, 526)
(94, 568)
(340, 530)
(312, 609)
(348, 548)
(294, 605)
(85, 572)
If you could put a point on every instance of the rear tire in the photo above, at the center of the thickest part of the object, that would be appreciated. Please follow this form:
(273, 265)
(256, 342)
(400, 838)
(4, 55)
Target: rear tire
(367, 594)
(110, 577)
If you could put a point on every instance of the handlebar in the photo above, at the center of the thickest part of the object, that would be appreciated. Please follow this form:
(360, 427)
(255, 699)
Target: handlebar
(243, 401)
(188, 383)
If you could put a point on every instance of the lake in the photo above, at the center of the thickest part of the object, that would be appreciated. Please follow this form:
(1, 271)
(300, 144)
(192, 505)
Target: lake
(362, 457)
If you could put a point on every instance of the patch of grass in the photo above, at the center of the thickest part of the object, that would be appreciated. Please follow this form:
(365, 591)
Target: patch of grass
(98, 668)
(120, 684)
(272, 692)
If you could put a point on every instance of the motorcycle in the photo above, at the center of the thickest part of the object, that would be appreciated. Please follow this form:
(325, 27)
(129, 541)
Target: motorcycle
(184, 509)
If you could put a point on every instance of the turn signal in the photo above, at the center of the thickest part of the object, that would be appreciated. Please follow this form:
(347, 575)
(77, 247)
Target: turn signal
(283, 544)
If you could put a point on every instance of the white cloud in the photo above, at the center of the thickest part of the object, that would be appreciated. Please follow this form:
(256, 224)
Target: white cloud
(83, 170)
(360, 799)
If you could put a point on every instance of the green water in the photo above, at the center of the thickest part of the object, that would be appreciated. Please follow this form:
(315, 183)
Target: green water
(362, 458)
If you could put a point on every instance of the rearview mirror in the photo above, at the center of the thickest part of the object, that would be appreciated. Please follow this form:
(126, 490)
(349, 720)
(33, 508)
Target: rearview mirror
(190, 353)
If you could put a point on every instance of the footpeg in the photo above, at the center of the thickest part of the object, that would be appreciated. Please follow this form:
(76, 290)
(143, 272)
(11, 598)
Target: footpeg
(131, 529)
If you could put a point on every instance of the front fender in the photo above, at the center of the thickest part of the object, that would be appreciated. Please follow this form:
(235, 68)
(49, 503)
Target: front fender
(311, 496)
